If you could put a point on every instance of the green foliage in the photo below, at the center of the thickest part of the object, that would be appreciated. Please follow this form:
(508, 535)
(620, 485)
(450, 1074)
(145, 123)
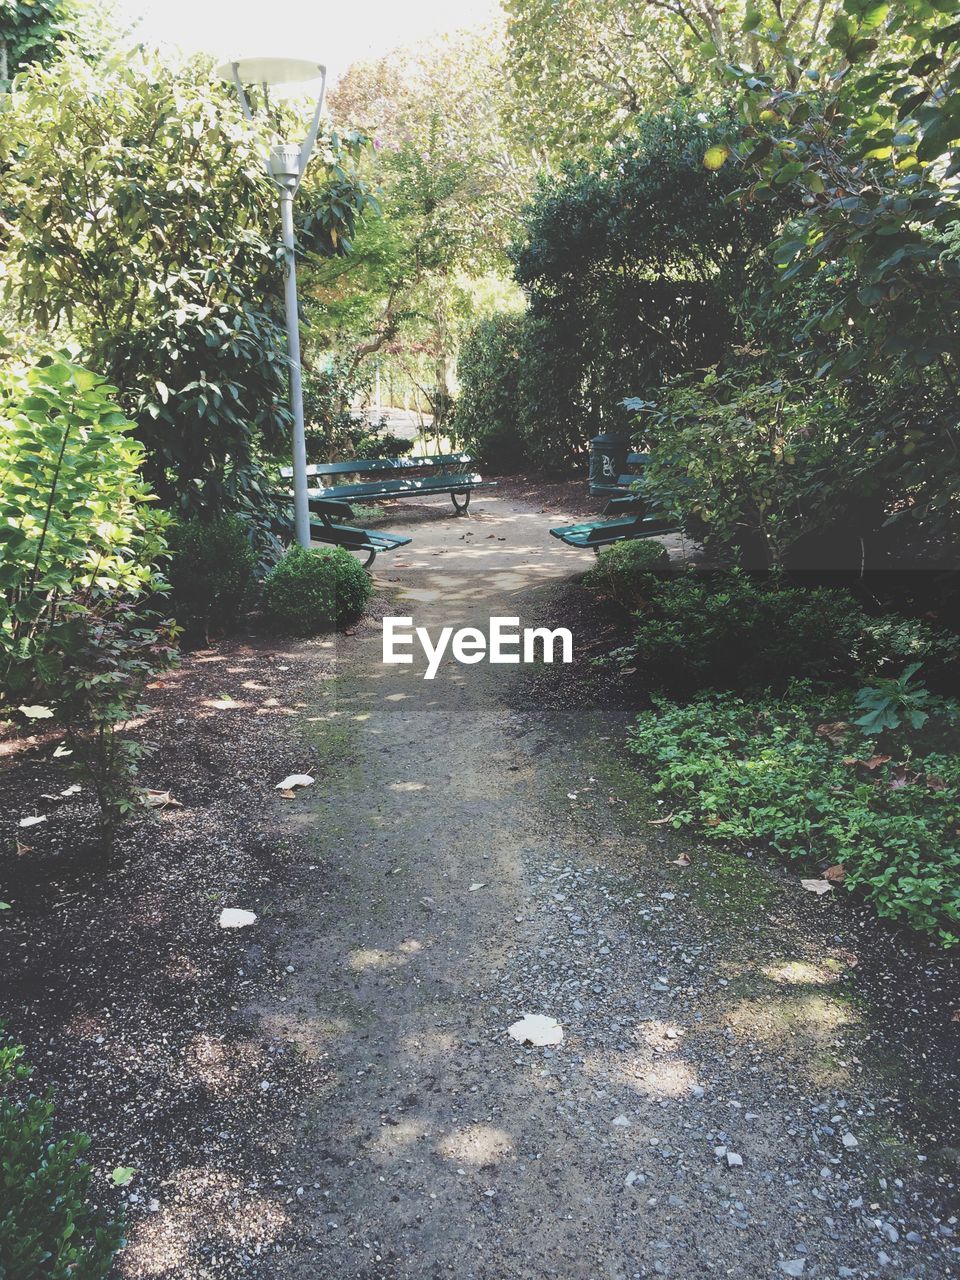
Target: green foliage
(75, 524)
(632, 267)
(623, 571)
(29, 32)
(48, 1228)
(489, 414)
(893, 702)
(584, 71)
(211, 572)
(334, 430)
(755, 467)
(779, 771)
(316, 590)
(740, 631)
(79, 546)
(142, 218)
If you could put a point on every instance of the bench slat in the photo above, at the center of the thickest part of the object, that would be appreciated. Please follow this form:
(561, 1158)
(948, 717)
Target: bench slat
(374, 466)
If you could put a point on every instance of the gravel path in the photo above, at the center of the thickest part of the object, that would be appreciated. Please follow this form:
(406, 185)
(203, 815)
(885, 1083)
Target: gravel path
(723, 1101)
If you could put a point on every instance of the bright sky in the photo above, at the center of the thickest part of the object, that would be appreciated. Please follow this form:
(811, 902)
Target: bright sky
(335, 34)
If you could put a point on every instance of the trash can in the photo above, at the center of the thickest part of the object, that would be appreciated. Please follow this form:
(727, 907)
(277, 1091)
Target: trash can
(608, 461)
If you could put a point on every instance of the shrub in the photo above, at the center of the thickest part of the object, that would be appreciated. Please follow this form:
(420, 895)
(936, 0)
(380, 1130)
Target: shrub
(75, 519)
(794, 773)
(316, 590)
(488, 411)
(211, 572)
(622, 572)
(48, 1228)
(735, 630)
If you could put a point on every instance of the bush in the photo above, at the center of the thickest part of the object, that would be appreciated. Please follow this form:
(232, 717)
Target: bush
(734, 630)
(488, 411)
(794, 773)
(48, 1229)
(316, 590)
(622, 572)
(211, 572)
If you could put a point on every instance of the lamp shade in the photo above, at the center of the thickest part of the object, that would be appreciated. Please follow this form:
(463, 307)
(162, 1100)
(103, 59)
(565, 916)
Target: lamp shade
(272, 70)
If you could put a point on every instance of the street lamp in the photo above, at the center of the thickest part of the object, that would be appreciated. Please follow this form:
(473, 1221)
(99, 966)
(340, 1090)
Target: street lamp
(286, 164)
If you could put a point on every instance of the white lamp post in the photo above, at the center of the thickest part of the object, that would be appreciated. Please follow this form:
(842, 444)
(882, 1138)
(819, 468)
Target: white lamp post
(286, 165)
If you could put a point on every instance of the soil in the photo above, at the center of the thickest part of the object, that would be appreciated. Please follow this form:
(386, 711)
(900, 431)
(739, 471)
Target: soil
(752, 1081)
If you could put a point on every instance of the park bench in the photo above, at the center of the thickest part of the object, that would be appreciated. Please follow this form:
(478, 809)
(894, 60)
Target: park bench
(396, 478)
(634, 520)
(325, 528)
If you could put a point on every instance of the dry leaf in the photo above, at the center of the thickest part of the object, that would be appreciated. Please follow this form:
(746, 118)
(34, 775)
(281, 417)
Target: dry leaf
(819, 887)
(658, 822)
(32, 822)
(836, 731)
(159, 800)
(36, 713)
(295, 780)
(682, 861)
(235, 918)
(537, 1029)
(835, 874)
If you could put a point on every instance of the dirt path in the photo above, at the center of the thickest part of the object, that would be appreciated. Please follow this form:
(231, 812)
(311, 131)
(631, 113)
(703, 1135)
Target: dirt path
(722, 1103)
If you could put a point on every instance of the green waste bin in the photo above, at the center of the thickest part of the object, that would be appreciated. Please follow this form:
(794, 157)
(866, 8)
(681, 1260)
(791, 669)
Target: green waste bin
(608, 461)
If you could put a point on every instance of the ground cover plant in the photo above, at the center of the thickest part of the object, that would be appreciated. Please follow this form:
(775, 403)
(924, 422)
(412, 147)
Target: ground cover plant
(801, 773)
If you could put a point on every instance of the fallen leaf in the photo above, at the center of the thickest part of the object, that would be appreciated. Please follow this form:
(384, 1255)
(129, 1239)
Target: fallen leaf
(835, 731)
(295, 780)
(901, 777)
(36, 713)
(5, 906)
(62, 751)
(835, 874)
(873, 763)
(159, 799)
(712, 821)
(32, 822)
(123, 1175)
(288, 795)
(682, 861)
(659, 822)
(537, 1029)
(935, 783)
(819, 887)
(479, 884)
(734, 1161)
(72, 791)
(236, 918)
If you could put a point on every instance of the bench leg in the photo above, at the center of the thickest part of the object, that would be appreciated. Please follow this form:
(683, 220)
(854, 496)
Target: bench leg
(461, 507)
(370, 558)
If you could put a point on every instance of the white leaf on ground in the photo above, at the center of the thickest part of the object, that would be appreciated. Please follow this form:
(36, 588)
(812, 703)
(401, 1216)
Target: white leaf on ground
(235, 918)
(295, 780)
(734, 1161)
(850, 1142)
(32, 822)
(478, 884)
(793, 1266)
(62, 751)
(537, 1029)
(36, 713)
(72, 791)
(819, 887)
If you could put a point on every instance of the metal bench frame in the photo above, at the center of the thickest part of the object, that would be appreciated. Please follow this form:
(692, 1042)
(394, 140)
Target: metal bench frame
(447, 473)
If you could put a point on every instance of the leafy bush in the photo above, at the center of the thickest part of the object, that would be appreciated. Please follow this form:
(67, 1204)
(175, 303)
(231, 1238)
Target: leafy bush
(211, 572)
(488, 414)
(79, 544)
(48, 1228)
(752, 466)
(75, 521)
(736, 630)
(622, 572)
(793, 773)
(316, 590)
(334, 431)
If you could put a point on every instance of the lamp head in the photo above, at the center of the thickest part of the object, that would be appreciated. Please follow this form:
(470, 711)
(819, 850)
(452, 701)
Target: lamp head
(272, 71)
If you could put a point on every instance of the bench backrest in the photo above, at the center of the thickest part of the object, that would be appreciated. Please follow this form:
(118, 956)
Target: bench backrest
(383, 467)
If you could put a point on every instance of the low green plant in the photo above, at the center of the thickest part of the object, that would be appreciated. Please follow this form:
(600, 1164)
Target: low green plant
(316, 590)
(792, 772)
(48, 1228)
(211, 572)
(734, 630)
(892, 702)
(622, 571)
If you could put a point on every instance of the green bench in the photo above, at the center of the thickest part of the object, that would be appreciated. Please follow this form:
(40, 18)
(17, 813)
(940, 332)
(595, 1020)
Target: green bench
(634, 520)
(327, 529)
(396, 478)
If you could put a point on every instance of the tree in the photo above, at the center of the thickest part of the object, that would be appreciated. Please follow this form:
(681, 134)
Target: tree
(584, 70)
(142, 221)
